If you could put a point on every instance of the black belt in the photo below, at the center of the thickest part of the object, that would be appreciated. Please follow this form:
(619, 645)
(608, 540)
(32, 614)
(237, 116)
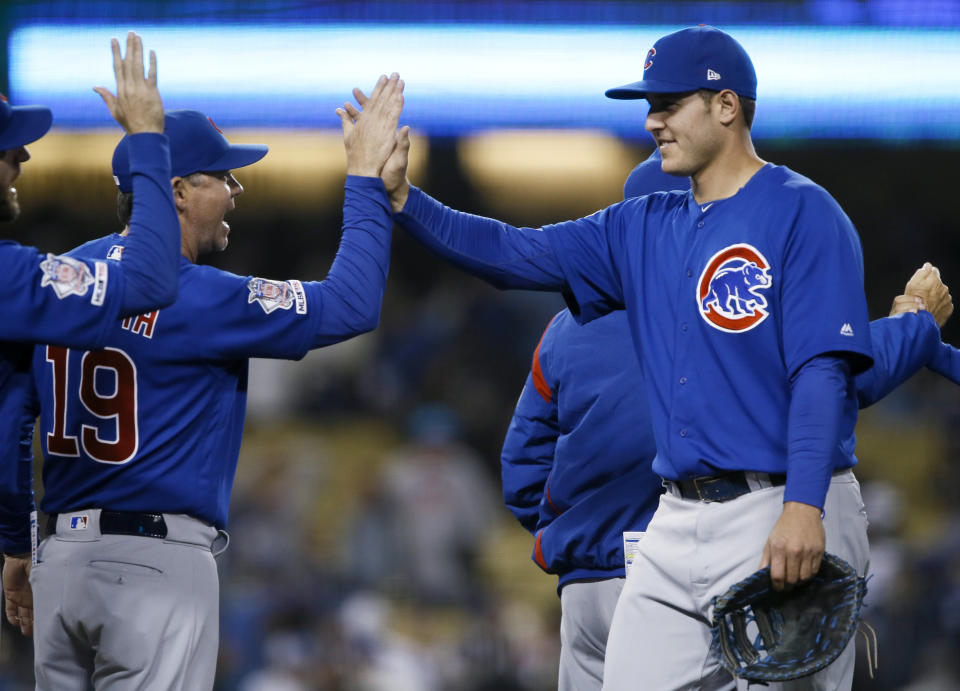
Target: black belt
(124, 523)
(722, 487)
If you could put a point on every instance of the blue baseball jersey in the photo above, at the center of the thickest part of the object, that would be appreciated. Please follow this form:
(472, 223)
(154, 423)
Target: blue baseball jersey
(74, 302)
(576, 461)
(153, 420)
(729, 300)
(577, 458)
(946, 362)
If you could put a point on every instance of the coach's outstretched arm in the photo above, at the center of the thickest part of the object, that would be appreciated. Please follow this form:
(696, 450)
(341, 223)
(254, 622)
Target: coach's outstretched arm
(352, 292)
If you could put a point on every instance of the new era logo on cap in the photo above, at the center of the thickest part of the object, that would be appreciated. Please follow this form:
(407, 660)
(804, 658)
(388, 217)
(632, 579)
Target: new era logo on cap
(712, 76)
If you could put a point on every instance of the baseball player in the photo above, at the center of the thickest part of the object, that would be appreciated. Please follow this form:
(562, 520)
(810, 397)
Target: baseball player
(576, 461)
(73, 301)
(141, 437)
(745, 303)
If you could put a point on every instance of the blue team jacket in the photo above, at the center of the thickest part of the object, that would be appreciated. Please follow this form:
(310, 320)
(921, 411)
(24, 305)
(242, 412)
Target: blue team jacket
(576, 461)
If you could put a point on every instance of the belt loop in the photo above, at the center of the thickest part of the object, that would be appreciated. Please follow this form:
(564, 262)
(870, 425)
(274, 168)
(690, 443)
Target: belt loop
(226, 543)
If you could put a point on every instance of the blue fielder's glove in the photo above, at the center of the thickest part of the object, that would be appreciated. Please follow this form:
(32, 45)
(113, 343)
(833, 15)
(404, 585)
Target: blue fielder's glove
(795, 632)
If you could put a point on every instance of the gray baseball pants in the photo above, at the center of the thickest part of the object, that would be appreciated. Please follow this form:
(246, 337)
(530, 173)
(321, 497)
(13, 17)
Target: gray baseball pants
(586, 612)
(126, 612)
(693, 551)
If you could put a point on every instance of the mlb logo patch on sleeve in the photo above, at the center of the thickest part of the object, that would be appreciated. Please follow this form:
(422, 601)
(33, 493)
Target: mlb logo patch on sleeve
(274, 295)
(67, 276)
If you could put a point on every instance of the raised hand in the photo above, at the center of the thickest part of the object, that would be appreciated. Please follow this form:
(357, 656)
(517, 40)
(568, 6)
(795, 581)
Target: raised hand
(369, 137)
(394, 173)
(137, 105)
(927, 285)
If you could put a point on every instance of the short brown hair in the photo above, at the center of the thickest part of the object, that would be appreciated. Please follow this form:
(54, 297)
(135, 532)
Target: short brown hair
(124, 207)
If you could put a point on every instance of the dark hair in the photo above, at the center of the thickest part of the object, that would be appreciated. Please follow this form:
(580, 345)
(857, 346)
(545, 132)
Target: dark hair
(748, 106)
(124, 207)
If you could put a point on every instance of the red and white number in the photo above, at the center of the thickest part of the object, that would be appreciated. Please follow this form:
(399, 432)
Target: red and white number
(118, 409)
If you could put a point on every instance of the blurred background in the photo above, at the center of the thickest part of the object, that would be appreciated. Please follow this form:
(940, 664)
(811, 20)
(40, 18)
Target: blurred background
(370, 548)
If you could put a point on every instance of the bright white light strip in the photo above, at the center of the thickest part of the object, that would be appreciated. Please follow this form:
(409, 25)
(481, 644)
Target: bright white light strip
(469, 75)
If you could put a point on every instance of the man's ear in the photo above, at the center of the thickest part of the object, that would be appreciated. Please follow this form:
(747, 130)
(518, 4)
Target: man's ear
(179, 186)
(726, 105)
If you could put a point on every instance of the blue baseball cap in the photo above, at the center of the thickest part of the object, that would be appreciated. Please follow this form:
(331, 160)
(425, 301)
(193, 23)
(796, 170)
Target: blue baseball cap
(20, 125)
(196, 146)
(700, 57)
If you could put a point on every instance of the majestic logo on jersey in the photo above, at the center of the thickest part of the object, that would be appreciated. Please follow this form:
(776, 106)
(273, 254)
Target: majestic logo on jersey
(649, 61)
(728, 292)
(67, 276)
(274, 295)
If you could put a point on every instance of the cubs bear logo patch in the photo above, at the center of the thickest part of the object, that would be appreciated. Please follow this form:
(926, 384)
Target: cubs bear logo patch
(274, 295)
(67, 276)
(729, 293)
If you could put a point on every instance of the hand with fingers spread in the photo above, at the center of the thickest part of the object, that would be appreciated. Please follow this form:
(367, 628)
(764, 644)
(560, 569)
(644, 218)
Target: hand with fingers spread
(795, 546)
(137, 105)
(369, 136)
(927, 285)
(17, 595)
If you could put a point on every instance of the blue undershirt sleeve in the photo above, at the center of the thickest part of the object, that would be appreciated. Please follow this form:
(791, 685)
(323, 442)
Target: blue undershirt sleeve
(946, 362)
(151, 259)
(501, 254)
(902, 345)
(352, 292)
(819, 391)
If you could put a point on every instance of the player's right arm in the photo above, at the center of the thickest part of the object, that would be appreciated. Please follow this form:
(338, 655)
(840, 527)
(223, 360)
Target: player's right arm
(151, 261)
(528, 449)
(577, 258)
(71, 302)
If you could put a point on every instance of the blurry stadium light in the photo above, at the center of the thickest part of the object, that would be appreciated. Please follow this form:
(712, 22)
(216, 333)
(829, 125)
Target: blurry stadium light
(540, 176)
(851, 82)
(304, 169)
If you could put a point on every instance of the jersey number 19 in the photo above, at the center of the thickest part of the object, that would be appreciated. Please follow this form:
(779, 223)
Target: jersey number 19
(117, 409)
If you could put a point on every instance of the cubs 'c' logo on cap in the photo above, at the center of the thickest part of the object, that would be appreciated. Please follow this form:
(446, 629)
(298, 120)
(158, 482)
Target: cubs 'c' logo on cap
(649, 61)
(728, 292)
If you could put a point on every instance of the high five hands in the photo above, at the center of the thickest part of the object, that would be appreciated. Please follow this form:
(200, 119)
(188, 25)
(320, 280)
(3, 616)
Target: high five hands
(375, 147)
